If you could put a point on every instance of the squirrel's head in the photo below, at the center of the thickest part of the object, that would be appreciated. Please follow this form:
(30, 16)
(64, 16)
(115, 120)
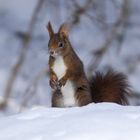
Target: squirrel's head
(58, 43)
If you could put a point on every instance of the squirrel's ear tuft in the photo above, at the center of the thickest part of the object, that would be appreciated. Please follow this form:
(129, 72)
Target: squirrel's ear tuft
(64, 29)
(50, 29)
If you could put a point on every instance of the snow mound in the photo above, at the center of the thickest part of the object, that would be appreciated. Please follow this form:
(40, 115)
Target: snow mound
(104, 121)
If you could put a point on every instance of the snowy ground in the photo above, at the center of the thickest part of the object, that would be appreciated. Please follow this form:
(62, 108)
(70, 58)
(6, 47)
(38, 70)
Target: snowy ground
(104, 121)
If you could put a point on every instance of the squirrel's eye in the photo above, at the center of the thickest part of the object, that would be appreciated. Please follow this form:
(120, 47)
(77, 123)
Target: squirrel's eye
(60, 45)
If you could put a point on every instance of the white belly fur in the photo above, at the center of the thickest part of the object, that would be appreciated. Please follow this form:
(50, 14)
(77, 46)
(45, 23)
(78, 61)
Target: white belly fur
(68, 90)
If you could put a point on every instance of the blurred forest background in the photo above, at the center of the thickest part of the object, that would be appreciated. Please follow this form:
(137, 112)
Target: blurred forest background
(104, 33)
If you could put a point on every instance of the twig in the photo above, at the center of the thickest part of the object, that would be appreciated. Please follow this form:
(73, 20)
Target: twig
(79, 11)
(32, 88)
(113, 34)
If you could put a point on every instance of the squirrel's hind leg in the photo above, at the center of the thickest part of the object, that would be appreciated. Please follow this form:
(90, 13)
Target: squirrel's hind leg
(83, 97)
(57, 99)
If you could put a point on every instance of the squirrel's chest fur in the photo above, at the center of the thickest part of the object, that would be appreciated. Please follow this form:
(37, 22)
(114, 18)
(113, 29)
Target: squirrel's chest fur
(68, 91)
(59, 67)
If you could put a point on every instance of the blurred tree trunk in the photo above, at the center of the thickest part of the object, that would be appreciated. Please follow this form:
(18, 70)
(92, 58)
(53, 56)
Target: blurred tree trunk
(25, 45)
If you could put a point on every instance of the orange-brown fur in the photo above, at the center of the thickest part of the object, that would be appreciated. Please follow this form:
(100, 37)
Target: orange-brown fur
(75, 70)
(109, 87)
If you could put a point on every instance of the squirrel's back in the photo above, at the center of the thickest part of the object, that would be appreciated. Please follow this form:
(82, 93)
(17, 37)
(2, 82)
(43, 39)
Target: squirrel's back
(109, 87)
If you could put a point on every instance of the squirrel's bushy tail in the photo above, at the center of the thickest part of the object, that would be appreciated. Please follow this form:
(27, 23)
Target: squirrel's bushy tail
(109, 87)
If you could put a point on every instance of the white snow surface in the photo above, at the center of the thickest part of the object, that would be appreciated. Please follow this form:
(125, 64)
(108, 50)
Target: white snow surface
(103, 121)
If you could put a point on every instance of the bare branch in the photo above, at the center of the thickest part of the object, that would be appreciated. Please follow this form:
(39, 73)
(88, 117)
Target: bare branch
(113, 34)
(32, 88)
(79, 11)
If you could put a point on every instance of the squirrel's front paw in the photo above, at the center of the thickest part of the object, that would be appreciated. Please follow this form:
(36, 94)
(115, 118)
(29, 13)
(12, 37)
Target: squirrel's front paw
(53, 84)
(62, 82)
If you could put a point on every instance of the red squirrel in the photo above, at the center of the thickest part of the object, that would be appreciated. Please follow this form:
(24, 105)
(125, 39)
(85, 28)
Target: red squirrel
(68, 79)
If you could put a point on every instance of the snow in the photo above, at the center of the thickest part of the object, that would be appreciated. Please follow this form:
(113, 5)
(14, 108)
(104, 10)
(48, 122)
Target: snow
(104, 121)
